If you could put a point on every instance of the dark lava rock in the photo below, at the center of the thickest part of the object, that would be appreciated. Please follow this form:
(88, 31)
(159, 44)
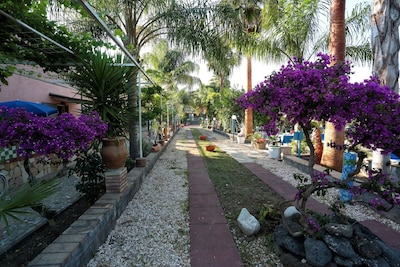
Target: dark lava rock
(317, 252)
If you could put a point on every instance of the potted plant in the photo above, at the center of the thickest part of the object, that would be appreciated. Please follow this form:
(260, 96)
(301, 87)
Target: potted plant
(274, 149)
(210, 147)
(240, 138)
(259, 141)
(103, 86)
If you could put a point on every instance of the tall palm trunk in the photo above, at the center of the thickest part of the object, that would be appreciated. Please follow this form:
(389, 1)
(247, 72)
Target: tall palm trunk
(332, 156)
(133, 127)
(385, 42)
(248, 115)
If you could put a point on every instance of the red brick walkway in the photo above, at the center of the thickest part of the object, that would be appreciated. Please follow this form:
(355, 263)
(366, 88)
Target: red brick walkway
(211, 242)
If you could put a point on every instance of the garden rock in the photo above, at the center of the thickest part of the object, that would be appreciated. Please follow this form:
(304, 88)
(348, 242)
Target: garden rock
(248, 223)
(344, 261)
(390, 255)
(377, 262)
(339, 229)
(367, 197)
(367, 248)
(285, 240)
(342, 247)
(363, 248)
(294, 228)
(317, 252)
(291, 213)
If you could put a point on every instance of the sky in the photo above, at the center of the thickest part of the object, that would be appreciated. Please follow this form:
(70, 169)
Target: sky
(261, 69)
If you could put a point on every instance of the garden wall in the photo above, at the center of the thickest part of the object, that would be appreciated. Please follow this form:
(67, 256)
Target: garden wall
(12, 166)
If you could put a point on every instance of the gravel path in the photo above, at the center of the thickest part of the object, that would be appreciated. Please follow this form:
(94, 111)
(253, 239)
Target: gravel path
(154, 228)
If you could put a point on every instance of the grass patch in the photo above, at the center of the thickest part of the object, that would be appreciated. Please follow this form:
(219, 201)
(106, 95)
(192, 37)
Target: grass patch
(237, 188)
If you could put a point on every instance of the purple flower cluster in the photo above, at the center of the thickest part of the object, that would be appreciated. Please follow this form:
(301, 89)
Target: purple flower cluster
(303, 91)
(62, 135)
(312, 225)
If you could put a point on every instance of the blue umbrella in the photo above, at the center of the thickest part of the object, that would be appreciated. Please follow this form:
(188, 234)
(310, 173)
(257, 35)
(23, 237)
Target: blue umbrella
(34, 107)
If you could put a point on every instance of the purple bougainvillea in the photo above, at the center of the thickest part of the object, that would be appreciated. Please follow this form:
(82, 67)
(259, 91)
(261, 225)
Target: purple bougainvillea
(303, 91)
(62, 135)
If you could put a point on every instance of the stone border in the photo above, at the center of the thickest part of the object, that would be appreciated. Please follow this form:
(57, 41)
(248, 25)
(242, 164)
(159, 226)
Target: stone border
(77, 244)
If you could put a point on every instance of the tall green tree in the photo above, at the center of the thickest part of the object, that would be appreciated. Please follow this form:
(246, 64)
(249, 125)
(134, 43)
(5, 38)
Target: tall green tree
(141, 23)
(172, 71)
(20, 45)
(170, 68)
(222, 66)
(299, 29)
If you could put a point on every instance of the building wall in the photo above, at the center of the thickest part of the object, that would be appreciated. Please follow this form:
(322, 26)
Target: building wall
(38, 89)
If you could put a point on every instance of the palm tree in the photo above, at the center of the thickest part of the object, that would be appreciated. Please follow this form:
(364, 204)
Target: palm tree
(223, 65)
(333, 157)
(171, 70)
(140, 23)
(297, 29)
(250, 15)
(385, 42)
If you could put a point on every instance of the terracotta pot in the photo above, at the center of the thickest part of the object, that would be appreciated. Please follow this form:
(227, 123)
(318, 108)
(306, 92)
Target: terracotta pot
(156, 148)
(140, 162)
(210, 148)
(203, 137)
(260, 145)
(114, 153)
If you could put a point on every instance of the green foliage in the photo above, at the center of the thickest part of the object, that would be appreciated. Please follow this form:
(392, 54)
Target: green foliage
(90, 168)
(20, 45)
(104, 87)
(303, 146)
(266, 210)
(12, 204)
(151, 108)
(129, 164)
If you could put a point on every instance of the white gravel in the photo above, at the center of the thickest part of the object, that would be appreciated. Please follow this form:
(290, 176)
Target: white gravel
(154, 228)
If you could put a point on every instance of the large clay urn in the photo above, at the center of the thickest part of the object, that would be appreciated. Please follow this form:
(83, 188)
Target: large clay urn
(114, 152)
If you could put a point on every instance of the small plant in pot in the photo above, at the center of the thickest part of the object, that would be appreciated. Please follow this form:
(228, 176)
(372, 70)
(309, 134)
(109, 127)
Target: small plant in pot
(103, 86)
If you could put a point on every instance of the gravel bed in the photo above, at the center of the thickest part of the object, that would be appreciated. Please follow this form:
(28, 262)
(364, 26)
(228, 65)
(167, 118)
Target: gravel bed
(154, 228)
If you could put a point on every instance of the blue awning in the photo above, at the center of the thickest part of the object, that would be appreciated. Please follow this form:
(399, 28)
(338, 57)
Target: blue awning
(34, 107)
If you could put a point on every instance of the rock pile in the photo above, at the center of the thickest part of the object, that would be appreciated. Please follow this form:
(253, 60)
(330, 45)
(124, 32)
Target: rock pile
(338, 243)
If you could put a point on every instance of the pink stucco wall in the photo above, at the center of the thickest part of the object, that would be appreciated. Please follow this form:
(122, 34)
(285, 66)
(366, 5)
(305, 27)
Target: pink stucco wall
(33, 89)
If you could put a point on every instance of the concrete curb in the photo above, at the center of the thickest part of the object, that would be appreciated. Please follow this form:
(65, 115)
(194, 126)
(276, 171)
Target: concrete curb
(77, 245)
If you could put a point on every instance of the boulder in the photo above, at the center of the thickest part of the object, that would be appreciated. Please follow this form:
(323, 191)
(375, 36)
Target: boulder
(291, 213)
(317, 252)
(248, 223)
(338, 229)
(292, 244)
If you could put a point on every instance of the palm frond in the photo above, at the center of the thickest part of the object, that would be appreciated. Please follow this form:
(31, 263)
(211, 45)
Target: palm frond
(13, 203)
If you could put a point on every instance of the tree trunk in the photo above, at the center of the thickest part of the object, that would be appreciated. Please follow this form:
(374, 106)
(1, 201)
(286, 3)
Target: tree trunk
(248, 115)
(385, 23)
(319, 147)
(133, 126)
(332, 156)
